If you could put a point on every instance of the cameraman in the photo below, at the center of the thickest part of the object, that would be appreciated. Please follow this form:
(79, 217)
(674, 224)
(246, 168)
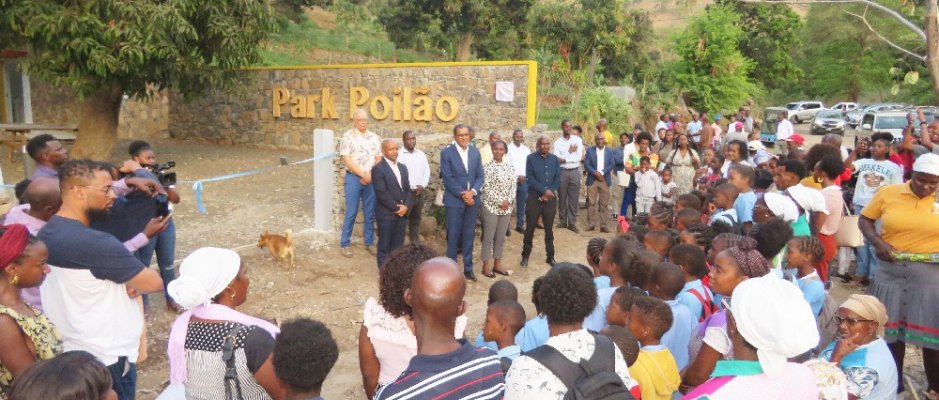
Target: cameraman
(165, 243)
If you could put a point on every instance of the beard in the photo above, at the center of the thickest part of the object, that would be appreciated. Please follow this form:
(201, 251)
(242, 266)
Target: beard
(98, 215)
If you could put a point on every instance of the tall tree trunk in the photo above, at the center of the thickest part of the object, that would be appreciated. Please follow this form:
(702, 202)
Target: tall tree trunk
(465, 49)
(932, 43)
(97, 129)
(592, 67)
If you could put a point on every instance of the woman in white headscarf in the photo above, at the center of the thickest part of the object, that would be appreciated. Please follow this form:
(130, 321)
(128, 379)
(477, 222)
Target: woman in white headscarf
(769, 322)
(211, 283)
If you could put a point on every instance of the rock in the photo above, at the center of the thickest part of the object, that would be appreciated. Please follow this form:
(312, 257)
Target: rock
(428, 226)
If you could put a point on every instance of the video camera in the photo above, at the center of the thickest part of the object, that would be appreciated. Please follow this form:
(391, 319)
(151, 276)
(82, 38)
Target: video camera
(165, 177)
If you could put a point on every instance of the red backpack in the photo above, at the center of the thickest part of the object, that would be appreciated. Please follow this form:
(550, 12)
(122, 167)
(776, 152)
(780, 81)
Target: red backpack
(707, 303)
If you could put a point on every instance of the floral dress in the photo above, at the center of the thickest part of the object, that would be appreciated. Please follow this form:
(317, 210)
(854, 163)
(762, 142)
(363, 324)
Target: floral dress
(46, 340)
(499, 185)
(682, 169)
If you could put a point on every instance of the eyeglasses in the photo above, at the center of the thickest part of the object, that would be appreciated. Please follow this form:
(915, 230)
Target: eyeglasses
(105, 190)
(850, 321)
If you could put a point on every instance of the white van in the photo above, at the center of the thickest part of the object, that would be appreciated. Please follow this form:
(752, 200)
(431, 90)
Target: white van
(885, 121)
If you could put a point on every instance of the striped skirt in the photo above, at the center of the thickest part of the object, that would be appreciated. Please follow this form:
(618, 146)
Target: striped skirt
(910, 291)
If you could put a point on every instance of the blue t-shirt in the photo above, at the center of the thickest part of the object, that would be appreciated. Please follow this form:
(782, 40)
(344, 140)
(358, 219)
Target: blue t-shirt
(677, 337)
(688, 299)
(597, 319)
(76, 246)
(534, 334)
(470, 372)
(744, 207)
(601, 282)
(480, 342)
(812, 289)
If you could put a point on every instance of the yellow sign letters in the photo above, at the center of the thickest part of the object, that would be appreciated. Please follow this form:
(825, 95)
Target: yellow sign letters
(405, 104)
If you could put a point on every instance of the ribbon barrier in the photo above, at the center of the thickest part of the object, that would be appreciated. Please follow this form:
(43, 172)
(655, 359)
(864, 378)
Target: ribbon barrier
(198, 185)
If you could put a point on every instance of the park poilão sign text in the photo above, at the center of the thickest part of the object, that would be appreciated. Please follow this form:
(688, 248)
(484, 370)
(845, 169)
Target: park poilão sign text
(403, 104)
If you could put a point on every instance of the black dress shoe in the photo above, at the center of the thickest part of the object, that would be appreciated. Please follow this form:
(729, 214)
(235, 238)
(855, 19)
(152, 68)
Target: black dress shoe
(551, 261)
(508, 233)
(520, 230)
(573, 228)
(524, 262)
(470, 276)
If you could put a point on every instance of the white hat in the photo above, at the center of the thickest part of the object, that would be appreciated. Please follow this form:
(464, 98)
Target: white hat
(927, 163)
(755, 145)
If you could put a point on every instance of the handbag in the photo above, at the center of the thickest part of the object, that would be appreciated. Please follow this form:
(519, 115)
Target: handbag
(231, 372)
(849, 234)
(623, 179)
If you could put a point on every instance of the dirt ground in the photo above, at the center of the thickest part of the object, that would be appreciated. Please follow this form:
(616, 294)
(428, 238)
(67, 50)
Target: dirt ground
(324, 285)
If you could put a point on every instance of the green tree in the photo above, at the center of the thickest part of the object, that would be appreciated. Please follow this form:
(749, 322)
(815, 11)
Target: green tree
(472, 24)
(108, 48)
(712, 73)
(770, 33)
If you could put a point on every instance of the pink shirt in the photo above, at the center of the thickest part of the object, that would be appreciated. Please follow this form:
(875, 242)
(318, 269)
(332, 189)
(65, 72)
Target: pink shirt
(834, 202)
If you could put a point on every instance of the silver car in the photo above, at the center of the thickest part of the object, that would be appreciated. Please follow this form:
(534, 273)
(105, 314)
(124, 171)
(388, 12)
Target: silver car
(828, 121)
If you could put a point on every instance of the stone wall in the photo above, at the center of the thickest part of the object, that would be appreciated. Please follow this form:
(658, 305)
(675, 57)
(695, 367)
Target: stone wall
(319, 97)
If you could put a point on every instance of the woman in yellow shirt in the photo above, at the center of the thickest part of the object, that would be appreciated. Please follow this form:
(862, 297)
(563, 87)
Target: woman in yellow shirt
(908, 276)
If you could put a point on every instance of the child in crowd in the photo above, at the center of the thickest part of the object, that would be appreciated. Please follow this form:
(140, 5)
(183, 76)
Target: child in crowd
(763, 181)
(668, 281)
(659, 242)
(724, 197)
(655, 368)
(771, 237)
(695, 295)
(618, 311)
(535, 332)
(504, 320)
(594, 251)
(802, 253)
(700, 175)
(648, 186)
(643, 268)
(827, 171)
(708, 208)
(500, 290)
(669, 187)
(304, 353)
(686, 217)
(619, 255)
(660, 216)
(688, 200)
(628, 346)
(638, 232)
(741, 176)
(697, 234)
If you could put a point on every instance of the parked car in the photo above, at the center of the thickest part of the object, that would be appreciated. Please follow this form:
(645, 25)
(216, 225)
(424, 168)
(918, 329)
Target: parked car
(854, 117)
(828, 121)
(845, 106)
(803, 110)
(893, 121)
(768, 127)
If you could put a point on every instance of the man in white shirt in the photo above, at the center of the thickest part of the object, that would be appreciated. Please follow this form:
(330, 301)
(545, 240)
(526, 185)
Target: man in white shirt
(716, 131)
(419, 176)
(694, 128)
(518, 155)
(569, 149)
(662, 124)
(783, 131)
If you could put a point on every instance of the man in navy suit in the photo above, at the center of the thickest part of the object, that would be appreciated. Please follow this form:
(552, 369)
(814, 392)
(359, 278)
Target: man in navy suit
(599, 165)
(393, 192)
(461, 170)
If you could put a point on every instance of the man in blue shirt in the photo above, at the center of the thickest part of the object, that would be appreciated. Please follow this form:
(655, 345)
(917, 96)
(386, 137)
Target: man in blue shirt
(544, 177)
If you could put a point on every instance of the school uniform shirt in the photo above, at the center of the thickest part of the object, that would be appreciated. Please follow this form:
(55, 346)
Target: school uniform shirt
(873, 175)
(534, 334)
(812, 289)
(529, 379)
(480, 342)
(656, 372)
(744, 207)
(677, 337)
(597, 319)
(691, 301)
(601, 282)
(729, 216)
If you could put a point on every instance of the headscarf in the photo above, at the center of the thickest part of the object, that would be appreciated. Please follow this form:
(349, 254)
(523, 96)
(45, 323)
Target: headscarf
(748, 258)
(772, 315)
(868, 307)
(781, 206)
(202, 276)
(13, 243)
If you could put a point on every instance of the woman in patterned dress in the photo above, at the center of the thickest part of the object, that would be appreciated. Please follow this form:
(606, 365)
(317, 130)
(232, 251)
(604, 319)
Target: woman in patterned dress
(27, 336)
(498, 194)
(683, 161)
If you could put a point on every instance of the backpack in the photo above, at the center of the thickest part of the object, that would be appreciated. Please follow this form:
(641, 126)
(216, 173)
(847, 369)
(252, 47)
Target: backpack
(593, 379)
(708, 306)
(735, 227)
(505, 363)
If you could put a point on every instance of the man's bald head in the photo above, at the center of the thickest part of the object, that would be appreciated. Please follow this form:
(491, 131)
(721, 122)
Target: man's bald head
(437, 291)
(832, 139)
(44, 197)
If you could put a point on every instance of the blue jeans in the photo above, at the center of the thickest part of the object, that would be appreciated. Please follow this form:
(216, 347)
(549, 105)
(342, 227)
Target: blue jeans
(866, 255)
(356, 191)
(164, 245)
(461, 233)
(123, 378)
(521, 196)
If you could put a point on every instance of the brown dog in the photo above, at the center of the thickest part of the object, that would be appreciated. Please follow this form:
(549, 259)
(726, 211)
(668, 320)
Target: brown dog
(281, 247)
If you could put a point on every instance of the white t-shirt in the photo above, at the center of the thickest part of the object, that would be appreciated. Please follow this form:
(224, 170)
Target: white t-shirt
(519, 156)
(571, 158)
(873, 175)
(529, 379)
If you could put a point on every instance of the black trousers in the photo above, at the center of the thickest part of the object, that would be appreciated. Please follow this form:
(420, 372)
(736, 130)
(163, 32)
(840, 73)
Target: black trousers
(390, 237)
(546, 211)
(414, 219)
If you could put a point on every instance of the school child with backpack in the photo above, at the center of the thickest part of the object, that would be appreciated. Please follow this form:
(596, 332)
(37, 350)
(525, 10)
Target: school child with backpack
(694, 294)
(724, 197)
(655, 368)
(504, 319)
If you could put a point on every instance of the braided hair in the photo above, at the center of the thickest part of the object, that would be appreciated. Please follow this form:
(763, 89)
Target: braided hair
(662, 213)
(751, 262)
(702, 233)
(811, 246)
(595, 249)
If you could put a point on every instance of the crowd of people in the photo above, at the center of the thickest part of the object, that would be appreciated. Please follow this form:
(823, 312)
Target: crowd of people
(714, 285)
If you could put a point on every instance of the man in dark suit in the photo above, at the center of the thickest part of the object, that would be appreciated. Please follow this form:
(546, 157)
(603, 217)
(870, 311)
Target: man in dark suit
(462, 173)
(599, 165)
(543, 173)
(392, 190)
